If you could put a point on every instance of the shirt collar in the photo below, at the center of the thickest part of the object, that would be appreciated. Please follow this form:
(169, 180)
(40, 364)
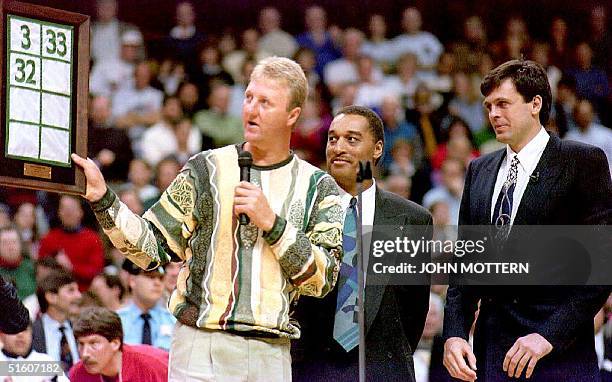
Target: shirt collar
(528, 157)
(368, 195)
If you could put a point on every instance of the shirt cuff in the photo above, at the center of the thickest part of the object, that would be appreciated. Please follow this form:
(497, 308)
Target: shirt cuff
(272, 236)
(105, 203)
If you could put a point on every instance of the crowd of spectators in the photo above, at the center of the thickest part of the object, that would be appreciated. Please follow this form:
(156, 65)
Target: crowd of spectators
(147, 116)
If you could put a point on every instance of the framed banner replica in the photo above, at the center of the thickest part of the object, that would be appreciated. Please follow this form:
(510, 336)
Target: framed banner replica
(44, 89)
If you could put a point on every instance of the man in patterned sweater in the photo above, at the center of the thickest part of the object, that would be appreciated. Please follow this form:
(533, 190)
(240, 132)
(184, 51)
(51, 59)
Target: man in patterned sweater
(236, 286)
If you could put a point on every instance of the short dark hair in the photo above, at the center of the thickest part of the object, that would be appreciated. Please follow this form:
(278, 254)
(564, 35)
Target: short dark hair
(529, 79)
(100, 321)
(52, 283)
(374, 122)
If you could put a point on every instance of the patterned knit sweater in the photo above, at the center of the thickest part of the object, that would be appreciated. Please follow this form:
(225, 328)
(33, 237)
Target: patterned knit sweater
(236, 278)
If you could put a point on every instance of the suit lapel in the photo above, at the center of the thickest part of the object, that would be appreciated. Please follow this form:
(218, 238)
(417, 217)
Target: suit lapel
(544, 175)
(484, 186)
(374, 293)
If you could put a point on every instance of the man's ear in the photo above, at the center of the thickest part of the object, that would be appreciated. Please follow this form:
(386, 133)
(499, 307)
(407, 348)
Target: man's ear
(378, 151)
(115, 344)
(294, 114)
(536, 105)
(51, 298)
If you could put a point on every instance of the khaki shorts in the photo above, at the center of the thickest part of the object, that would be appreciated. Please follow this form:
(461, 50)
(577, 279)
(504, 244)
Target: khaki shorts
(215, 355)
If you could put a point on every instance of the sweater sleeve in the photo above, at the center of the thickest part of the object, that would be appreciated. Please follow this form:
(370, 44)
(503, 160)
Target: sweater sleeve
(310, 259)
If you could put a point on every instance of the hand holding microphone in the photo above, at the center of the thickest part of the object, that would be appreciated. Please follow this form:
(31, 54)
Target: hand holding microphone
(250, 203)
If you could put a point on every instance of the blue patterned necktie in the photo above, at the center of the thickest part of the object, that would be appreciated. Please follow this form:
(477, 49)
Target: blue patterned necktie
(503, 207)
(346, 328)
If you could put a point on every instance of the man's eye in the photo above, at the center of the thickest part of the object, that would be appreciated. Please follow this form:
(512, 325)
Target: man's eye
(331, 139)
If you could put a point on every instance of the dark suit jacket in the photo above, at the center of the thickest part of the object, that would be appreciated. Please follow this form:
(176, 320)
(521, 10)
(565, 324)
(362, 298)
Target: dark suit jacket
(39, 343)
(573, 188)
(394, 315)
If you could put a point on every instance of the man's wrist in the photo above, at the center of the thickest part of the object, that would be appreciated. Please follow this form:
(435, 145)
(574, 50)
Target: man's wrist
(274, 234)
(104, 202)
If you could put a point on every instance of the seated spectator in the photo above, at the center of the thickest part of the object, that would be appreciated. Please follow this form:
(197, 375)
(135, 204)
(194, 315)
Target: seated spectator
(398, 184)
(402, 159)
(15, 264)
(308, 61)
(371, 90)
(160, 138)
(144, 319)
(344, 70)
(406, 81)
(109, 146)
(189, 95)
(107, 32)
(378, 46)
(559, 42)
(26, 222)
(591, 82)
(273, 39)
(188, 140)
(128, 196)
(396, 128)
(166, 170)
(171, 75)
(467, 103)
(239, 87)
(184, 38)
(140, 176)
(109, 290)
(310, 132)
(42, 268)
(469, 49)
(413, 40)
(450, 189)
(76, 248)
(250, 50)
(457, 129)
(18, 348)
(105, 357)
(590, 131)
(58, 295)
(317, 38)
(540, 53)
(209, 71)
(137, 107)
(515, 42)
(108, 76)
(216, 123)
(440, 80)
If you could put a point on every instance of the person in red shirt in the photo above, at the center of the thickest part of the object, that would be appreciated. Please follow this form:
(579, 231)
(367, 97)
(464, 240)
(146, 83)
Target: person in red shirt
(76, 248)
(104, 356)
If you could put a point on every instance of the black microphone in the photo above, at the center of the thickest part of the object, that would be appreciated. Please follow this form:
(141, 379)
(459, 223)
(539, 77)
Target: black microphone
(365, 171)
(245, 160)
(534, 177)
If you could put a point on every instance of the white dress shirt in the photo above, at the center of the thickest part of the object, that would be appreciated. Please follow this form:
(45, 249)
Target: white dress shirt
(528, 158)
(53, 337)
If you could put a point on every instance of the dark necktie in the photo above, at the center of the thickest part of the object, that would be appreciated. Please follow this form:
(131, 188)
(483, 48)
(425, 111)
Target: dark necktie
(146, 329)
(346, 329)
(65, 354)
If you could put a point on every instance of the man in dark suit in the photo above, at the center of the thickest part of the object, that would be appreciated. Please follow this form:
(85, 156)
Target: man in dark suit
(544, 333)
(394, 314)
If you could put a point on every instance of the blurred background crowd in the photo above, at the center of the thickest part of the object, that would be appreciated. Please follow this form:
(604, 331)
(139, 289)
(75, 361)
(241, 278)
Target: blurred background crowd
(167, 81)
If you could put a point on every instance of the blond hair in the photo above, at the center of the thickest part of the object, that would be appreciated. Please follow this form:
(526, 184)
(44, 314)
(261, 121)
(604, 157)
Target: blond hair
(288, 71)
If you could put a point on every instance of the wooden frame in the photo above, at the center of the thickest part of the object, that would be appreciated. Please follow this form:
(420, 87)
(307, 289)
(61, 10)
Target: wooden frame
(23, 172)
